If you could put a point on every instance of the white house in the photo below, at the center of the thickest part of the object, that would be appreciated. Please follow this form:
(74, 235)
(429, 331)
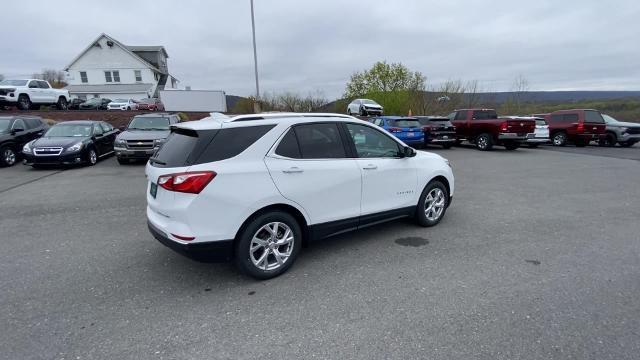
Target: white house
(109, 69)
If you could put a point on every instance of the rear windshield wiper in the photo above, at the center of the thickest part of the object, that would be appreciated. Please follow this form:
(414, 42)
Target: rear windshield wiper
(154, 160)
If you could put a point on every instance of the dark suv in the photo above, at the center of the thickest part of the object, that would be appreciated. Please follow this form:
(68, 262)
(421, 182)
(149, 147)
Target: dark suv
(143, 136)
(438, 130)
(15, 131)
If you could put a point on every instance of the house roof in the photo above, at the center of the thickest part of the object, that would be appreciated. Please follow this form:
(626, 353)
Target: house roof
(110, 88)
(121, 45)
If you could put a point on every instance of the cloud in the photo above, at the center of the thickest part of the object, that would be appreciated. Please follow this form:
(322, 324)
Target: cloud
(306, 46)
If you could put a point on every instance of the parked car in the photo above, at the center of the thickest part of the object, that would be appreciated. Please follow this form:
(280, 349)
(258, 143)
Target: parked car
(617, 132)
(366, 176)
(485, 129)
(31, 94)
(74, 103)
(143, 136)
(15, 131)
(438, 130)
(579, 126)
(123, 104)
(364, 107)
(95, 104)
(150, 104)
(407, 129)
(541, 133)
(71, 142)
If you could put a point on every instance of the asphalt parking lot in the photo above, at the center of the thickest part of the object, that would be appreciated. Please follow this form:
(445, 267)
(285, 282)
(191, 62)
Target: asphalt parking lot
(538, 258)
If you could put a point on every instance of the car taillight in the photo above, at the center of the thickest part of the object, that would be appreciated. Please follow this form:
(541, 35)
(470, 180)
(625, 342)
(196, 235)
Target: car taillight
(504, 127)
(580, 127)
(395, 130)
(188, 182)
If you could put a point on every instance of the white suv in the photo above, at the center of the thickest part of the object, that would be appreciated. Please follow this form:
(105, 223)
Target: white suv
(255, 188)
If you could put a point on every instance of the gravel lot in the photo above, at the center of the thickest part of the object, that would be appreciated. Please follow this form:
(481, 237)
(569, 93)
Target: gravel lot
(538, 258)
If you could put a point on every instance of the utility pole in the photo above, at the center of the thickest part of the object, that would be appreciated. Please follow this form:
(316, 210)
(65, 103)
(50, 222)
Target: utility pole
(256, 105)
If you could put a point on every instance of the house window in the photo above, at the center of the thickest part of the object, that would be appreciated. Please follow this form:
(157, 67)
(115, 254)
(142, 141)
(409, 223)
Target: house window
(138, 75)
(112, 76)
(83, 77)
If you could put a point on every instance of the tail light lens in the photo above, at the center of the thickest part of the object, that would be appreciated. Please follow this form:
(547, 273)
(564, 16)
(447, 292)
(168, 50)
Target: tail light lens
(426, 128)
(504, 127)
(395, 130)
(580, 127)
(187, 182)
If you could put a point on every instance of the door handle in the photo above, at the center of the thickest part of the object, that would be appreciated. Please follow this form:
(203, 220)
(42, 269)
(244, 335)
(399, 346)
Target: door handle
(292, 170)
(370, 167)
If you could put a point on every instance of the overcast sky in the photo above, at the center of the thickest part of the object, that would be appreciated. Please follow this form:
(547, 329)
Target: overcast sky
(308, 46)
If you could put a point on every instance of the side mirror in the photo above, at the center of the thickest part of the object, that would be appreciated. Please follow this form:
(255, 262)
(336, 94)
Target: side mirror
(409, 152)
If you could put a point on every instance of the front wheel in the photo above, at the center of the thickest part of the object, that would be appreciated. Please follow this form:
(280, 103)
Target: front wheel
(268, 245)
(609, 140)
(559, 139)
(24, 103)
(62, 104)
(363, 112)
(484, 142)
(92, 157)
(8, 156)
(432, 204)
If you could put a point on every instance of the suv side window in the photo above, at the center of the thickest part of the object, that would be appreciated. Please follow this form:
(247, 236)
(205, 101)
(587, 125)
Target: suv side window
(43, 84)
(230, 142)
(371, 143)
(18, 124)
(570, 118)
(591, 116)
(97, 129)
(461, 115)
(320, 141)
(288, 146)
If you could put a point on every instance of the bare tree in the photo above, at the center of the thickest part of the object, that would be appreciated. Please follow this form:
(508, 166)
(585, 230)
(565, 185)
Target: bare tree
(54, 77)
(515, 103)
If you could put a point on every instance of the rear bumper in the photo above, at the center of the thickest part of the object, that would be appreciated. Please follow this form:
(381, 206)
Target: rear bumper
(214, 251)
(537, 140)
(512, 136)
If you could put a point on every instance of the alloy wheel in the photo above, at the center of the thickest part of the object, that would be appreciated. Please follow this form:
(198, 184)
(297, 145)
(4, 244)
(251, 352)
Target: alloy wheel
(434, 204)
(9, 157)
(482, 142)
(93, 157)
(271, 246)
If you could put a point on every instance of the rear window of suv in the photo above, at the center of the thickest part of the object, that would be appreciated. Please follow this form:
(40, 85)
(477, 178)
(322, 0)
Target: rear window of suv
(405, 123)
(185, 147)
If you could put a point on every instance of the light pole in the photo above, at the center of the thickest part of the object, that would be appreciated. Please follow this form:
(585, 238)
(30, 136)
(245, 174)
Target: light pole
(256, 105)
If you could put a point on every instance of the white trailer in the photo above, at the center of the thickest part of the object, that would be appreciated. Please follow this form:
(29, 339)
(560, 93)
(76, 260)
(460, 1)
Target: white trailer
(194, 100)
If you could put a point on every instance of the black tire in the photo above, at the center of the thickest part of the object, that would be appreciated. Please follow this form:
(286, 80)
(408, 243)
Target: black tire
(484, 142)
(128, 108)
(62, 104)
(511, 145)
(627, 143)
(123, 161)
(363, 112)
(559, 139)
(92, 156)
(533, 146)
(447, 146)
(8, 156)
(609, 140)
(423, 204)
(24, 103)
(243, 259)
(458, 142)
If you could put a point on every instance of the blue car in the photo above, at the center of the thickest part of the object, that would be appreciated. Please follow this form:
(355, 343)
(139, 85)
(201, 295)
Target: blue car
(407, 129)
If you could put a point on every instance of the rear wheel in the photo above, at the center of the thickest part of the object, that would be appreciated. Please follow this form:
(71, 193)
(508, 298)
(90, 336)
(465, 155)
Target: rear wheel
(559, 139)
(511, 145)
(268, 245)
(484, 142)
(8, 156)
(432, 204)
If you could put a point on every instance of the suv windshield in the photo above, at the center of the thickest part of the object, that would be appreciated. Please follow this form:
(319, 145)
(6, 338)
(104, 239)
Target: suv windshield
(4, 124)
(149, 123)
(14, 82)
(406, 123)
(75, 130)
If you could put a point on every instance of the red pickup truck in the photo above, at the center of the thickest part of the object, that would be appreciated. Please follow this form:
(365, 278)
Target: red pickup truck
(578, 126)
(485, 129)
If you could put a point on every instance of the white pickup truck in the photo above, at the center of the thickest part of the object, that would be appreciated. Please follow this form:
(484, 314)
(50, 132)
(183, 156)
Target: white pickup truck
(31, 93)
